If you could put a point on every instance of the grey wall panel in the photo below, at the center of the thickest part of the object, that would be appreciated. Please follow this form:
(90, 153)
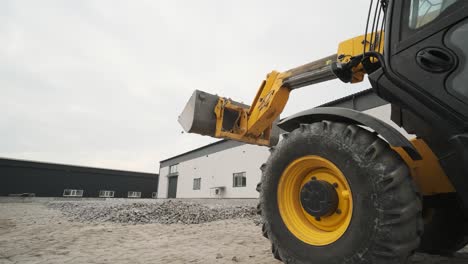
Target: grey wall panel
(200, 152)
(49, 180)
(361, 101)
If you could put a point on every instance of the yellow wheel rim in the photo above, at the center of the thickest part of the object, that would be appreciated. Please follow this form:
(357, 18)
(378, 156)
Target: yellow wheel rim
(324, 230)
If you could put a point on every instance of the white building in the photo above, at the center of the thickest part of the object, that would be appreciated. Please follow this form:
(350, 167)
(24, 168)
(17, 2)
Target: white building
(224, 169)
(229, 169)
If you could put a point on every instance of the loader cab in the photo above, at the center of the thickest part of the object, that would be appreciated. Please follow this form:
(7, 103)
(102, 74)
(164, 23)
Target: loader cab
(425, 78)
(425, 71)
(426, 55)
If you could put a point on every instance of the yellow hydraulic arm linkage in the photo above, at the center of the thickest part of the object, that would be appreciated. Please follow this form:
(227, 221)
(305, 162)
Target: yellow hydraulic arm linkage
(221, 117)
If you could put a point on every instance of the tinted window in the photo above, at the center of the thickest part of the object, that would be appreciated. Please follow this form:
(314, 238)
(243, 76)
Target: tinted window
(422, 12)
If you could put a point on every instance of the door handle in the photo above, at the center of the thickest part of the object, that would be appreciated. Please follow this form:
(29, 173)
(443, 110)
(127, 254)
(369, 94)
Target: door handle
(435, 60)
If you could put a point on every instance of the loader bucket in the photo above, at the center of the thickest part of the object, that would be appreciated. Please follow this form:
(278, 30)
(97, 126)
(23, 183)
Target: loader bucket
(198, 115)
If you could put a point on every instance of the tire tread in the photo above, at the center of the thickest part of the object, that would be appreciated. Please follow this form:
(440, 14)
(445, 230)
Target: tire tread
(404, 218)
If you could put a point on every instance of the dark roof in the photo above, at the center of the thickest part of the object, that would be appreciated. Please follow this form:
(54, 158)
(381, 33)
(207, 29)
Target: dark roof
(347, 98)
(361, 101)
(65, 167)
(195, 150)
(200, 152)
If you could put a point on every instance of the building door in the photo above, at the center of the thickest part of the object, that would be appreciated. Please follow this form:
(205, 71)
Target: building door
(172, 190)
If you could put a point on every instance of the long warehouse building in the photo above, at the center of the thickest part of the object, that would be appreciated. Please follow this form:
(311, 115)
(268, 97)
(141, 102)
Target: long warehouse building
(32, 178)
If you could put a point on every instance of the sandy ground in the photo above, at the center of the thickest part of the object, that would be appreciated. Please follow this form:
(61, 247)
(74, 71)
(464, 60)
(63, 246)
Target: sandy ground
(33, 233)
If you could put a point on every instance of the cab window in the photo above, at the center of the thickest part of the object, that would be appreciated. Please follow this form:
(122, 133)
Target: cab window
(423, 12)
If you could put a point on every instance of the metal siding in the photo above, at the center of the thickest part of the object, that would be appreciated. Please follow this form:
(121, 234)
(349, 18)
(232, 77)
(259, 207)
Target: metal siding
(361, 101)
(200, 152)
(49, 180)
(216, 170)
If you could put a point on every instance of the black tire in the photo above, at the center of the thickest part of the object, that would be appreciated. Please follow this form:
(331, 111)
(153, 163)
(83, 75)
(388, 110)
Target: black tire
(386, 225)
(445, 226)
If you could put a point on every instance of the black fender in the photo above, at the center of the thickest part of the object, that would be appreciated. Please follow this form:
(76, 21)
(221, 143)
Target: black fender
(345, 115)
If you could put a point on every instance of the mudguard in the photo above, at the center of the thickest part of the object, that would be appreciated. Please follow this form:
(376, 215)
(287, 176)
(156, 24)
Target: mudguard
(338, 114)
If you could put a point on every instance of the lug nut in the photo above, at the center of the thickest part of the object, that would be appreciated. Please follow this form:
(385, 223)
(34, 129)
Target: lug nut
(338, 211)
(345, 194)
(317, 218)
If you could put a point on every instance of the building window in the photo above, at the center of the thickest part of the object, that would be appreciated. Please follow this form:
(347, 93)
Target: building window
(239, 179)
(173, 169)
(106, 194)
(197, 183)
(72, 193)
(134, 195)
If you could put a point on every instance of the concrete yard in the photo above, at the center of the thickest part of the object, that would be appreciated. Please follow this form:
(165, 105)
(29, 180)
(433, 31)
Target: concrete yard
(32, 232)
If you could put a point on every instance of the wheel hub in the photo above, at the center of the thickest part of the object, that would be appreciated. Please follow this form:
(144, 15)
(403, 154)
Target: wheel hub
(319, 198)
(315, 200)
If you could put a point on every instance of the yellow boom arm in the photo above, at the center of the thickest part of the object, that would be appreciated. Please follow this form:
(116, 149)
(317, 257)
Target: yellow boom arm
(254, 124)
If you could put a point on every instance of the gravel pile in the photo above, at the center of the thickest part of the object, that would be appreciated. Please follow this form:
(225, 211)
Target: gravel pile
(167, 212)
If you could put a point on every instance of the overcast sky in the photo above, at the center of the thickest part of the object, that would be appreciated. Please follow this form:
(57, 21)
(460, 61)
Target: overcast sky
(101, 83)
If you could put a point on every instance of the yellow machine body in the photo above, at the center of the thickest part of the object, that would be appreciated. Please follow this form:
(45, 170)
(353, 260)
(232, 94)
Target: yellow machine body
(254, 124)
(334, 190)
(355, 46)
(427, 172)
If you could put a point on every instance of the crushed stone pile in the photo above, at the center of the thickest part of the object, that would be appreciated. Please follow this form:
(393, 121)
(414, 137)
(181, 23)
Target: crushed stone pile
(167, 212)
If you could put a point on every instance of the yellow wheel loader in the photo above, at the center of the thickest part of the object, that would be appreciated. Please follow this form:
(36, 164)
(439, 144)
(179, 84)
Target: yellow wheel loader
(342, 186)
